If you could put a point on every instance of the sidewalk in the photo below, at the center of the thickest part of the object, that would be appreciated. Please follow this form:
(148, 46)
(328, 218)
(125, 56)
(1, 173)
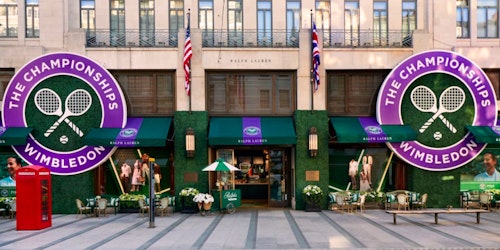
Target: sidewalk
(260, 229)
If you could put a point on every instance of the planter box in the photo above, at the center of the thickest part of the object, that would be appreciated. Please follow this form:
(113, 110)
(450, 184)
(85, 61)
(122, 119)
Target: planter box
(312, 208)
(190, 208)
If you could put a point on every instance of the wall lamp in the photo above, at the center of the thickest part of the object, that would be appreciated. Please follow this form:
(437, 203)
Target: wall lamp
(313, 141)
(190, 142)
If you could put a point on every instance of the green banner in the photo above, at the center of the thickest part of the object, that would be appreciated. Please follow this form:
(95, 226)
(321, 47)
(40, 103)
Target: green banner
(479, 185)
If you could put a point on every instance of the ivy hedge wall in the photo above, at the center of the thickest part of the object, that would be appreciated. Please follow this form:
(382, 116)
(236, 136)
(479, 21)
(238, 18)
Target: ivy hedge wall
(304, 120)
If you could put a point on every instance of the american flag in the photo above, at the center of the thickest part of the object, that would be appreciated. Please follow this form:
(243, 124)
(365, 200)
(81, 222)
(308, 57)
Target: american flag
(188, 53)
(315, 57)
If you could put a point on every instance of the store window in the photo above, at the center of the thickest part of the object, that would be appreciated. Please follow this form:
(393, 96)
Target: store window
(264, 23)
(251, 93)
(8, 18)
(206, 21)
(32, 19)
(380, 23)
(322, 19)
(235, 21)
(149, 93)
(292, 22)
(487, 18)
(463, 16)
(354, 92)
(117, 27)
(147, 22)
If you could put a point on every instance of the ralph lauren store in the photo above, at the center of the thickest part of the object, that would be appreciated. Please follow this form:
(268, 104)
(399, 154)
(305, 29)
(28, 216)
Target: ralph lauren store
(426, 128)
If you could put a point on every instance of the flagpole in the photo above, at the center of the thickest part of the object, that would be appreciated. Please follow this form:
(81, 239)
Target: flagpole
(312, 65)
(190, 85)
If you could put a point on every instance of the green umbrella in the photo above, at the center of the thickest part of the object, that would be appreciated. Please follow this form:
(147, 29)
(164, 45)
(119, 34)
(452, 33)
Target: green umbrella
(220, 165)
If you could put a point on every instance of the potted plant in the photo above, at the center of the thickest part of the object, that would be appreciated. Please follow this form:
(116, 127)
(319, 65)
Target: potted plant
(204, 202)
(187, 195)
(313, 195)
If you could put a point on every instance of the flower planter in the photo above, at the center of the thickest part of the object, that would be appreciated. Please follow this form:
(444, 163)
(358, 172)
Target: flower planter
(312, 208)
(188, 207)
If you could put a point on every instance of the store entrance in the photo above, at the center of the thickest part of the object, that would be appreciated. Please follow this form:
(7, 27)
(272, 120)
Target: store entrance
(264, 179)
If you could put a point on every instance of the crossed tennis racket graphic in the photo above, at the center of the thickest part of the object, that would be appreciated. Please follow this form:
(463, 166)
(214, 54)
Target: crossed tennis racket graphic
(77, 103)
(451, 100)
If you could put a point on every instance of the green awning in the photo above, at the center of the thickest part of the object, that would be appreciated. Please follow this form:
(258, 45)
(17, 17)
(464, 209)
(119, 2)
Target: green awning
(14, 135)
(139, 132)
(485, 134)
(368, 130)
(251, 131)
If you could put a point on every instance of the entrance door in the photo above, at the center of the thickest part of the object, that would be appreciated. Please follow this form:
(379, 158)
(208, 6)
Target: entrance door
(279, 178)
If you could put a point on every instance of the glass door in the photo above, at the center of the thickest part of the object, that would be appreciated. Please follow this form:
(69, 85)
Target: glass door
(278, 163)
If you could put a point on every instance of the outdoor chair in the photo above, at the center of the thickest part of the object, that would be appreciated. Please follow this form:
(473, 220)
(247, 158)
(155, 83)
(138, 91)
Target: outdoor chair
(163, 208)
(143, 207)
(403, 202)
(114, 202)
(82, 209)
(360, 203)
(485, 200)
(342, 203)
(422, 203)
(102, 205)
(12, 209)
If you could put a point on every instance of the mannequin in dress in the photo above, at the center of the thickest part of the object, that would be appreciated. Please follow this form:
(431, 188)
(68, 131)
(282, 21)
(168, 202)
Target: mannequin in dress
(353, 171)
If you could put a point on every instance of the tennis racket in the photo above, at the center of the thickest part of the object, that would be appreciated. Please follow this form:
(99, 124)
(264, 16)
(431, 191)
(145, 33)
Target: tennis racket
(451, 100)
(49, 103)
(77, 103)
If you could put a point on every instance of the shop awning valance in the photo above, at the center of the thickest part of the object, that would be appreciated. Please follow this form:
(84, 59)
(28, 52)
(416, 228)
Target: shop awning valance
(251, 131)
(368, 130)
(14, 135)
(485, 134)
(139, 132)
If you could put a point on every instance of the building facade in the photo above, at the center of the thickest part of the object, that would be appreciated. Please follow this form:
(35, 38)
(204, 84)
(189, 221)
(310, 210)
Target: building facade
(251, 67)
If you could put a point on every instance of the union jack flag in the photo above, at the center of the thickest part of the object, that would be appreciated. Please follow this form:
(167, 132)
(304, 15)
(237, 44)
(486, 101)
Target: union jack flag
(188, 53)
(315, 57)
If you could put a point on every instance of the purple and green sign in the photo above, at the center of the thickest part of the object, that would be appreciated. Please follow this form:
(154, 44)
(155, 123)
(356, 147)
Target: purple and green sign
(62, 96)
(438, 94)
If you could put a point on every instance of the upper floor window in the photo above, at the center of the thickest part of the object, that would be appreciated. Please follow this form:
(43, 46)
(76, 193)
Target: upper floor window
(487, 18)
(353, 92)
(87, 14)
(8, 18)
(409, 16)
(149, 93)
(264, 22)
(322, 15)
(235, 22)
(32, 19)
(292, 21)
(380, 23)
(251, 93)
(176, 17)
(463, 23)
(206, 21)
(117, 22)
(351, 23)
(147, 22)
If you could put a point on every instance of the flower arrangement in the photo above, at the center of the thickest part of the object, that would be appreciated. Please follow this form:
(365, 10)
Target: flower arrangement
(203, 198)
(187, 194)
(130, 200)
(313, 195)
(188, 191)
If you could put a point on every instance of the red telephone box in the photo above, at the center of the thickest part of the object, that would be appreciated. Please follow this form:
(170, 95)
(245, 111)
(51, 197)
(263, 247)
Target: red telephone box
(33, 198)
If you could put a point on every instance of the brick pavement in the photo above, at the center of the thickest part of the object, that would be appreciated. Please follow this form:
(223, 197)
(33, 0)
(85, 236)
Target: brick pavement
(259, 229)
